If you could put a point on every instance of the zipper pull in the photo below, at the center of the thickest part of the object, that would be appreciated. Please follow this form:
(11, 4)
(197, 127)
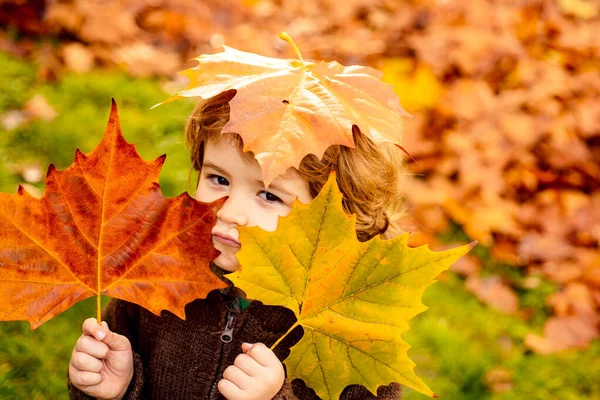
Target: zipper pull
(227, 335)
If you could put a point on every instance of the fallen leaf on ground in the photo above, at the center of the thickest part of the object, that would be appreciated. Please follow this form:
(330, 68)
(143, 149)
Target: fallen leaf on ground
(38, 108)
(492, 291)
(562, 333)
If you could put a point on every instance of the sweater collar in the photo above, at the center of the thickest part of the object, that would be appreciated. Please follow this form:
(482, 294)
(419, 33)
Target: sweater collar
(220, 273)
(231, 294)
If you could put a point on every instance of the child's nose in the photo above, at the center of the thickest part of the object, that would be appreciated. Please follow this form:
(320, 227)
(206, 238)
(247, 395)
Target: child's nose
(233, 212)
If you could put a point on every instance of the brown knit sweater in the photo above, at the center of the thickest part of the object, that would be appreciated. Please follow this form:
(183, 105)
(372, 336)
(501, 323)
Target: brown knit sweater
(176, 359)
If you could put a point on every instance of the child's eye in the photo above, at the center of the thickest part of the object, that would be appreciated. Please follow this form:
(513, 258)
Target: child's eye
(218, 179)
(270, 197)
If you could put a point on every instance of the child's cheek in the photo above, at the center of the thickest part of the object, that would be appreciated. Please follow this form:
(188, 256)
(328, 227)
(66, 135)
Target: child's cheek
(207, 194)
(267, 218)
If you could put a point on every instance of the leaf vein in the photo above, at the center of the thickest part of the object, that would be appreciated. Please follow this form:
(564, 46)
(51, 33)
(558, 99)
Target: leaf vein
(151, 251)
(73, 216)
(367, 354)
(47, 252)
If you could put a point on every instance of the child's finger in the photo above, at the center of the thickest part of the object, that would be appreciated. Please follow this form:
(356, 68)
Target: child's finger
(85, 362)
(246, 347)
(115, 341)
(247, 364)
(230, 390)
(263, 355)
(84, 378)
(88, 344)
(91, 327)
(237, 377)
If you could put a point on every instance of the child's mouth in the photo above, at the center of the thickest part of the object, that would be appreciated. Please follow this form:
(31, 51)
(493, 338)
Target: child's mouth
(226, 239)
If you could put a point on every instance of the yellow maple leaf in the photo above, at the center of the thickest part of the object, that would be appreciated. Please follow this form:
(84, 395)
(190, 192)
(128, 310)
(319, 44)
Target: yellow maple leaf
(585, 9)
(416, 85)
(353, 299)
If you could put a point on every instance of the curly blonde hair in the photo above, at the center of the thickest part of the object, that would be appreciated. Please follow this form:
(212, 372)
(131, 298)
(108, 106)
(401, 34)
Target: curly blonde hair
(369, 175)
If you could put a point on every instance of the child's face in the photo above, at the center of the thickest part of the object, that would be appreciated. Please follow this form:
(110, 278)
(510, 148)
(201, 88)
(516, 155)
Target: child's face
(225, 173)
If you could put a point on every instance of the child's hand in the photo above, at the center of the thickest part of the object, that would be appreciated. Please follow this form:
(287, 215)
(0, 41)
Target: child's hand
(255, 375)
(102, 362)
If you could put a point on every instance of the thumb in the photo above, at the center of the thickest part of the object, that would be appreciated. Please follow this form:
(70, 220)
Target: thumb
(115, 341)
(246, 347)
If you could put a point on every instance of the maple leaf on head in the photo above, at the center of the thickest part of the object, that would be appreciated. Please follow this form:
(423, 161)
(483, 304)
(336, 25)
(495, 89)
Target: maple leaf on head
(287, 109)
(104, 227)
(353, 299)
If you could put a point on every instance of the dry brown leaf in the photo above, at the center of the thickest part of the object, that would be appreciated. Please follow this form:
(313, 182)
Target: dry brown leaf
(139, 59)
(492, 291)
(13, 119)
(561, 271)
(499, 379)
(78, 57)
(38, 108)
(467, 266)
(575, 298)
(562, 333)
(106, 22)
(545, 247)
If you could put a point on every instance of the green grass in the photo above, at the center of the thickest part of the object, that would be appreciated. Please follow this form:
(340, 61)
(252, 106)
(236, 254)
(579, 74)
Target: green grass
(455, 343)
(83, 105)
(458, 340)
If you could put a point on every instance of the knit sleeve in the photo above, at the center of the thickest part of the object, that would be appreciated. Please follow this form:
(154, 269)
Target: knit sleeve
(392, 391)
(286, 392)
(75, 393)
(122, 317)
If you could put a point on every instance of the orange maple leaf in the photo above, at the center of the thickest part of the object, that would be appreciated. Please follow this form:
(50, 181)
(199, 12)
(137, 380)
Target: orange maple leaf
(287, 109)
(103, 227)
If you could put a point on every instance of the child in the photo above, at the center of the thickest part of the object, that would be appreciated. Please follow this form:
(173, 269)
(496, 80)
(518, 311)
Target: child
(222, 349)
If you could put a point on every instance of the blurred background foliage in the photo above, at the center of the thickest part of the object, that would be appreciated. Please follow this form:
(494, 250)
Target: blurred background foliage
(506, 135)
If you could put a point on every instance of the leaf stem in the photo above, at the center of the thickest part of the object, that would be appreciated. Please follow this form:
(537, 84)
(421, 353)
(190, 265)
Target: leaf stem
(98, 305)
(98, 313)
(284, 335)
(287, 38)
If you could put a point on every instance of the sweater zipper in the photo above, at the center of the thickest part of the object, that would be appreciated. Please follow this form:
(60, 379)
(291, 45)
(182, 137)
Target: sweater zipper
(226, 337)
